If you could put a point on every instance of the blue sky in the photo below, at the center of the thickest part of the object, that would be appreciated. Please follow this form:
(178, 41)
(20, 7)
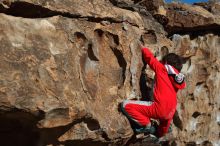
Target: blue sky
(189, 1)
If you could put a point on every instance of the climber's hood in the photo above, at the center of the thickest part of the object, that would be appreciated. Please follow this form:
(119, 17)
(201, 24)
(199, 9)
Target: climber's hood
(177, 79)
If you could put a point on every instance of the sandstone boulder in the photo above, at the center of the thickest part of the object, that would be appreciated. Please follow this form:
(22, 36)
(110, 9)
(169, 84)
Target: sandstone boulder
(184, 18)
(66, 65)
(65, 77)
(198, 109)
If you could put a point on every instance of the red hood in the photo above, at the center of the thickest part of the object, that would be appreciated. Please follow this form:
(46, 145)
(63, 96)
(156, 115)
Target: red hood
(172, 72)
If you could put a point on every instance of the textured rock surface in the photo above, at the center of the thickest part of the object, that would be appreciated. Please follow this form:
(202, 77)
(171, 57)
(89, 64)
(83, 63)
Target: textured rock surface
(190, 18)
(69, 75)
(198, 108)
(67, 71)
(66, 65)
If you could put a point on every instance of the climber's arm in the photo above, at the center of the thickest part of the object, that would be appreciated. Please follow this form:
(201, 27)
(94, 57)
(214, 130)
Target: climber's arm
(163, 127)
(151, 60)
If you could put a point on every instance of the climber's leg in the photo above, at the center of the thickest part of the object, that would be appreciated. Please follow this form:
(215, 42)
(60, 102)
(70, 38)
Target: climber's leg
(139, 112)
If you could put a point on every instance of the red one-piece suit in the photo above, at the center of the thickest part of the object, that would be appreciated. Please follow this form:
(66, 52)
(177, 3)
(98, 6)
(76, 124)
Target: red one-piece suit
(165, 101)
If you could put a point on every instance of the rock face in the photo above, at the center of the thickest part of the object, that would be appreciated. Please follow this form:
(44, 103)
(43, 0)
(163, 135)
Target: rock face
(191, 18)
(198, 110)
(66, 66)
(68, 72)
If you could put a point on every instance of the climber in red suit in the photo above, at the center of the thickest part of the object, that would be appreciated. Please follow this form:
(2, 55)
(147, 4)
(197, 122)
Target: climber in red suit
(168, 80)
